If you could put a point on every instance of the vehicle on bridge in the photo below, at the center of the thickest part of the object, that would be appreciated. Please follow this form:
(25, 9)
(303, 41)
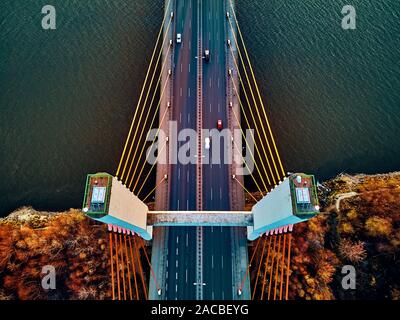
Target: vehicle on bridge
(219, 124)
(207, 143)
(207, 55)
(178, 38)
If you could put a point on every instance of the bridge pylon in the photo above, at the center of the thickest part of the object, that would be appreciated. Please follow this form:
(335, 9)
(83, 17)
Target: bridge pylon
(292, 201)
(109, 201)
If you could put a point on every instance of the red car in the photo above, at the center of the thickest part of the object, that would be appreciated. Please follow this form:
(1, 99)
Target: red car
(219, 124)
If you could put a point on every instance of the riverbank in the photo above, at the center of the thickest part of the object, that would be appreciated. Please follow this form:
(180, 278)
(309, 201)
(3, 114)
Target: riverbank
(359, 226)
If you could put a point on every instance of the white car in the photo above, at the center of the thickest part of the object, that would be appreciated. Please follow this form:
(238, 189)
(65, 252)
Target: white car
(207, 142)
(178, 38)
(207, 55)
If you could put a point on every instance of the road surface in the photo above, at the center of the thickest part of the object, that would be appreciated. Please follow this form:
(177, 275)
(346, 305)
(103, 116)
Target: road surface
(181, 255)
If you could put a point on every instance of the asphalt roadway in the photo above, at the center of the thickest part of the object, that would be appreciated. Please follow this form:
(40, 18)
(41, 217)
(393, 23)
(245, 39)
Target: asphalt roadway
(217, 261)
(181, 255)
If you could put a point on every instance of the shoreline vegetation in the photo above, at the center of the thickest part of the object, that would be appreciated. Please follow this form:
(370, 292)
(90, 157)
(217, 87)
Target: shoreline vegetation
(358, 226)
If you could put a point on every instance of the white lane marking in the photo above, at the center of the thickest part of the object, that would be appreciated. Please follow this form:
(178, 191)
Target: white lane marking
(190, 45)
(176, 265)
(220, 193)
(178, 204)
(181, 67)
(187, 178)
(212, 229)
(212, 261)
(186, 275)
(188, 117)
(218, 83)
(210, 107)
(212, 295)
(177, 251)
(177, 239)
(179, 173)
(189, 69)
(223, 295)
(187, 204)
(167, 263)
(180, 92)
(166, 275)
(210, 82)
(211, 194)
(187, 240)
(180, 117)
(189, 92)
(166, 287)
(222, 262)
(219, 107)
(176, 290)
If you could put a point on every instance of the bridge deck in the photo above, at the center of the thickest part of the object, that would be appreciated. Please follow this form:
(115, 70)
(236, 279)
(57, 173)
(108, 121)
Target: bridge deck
(196, 218)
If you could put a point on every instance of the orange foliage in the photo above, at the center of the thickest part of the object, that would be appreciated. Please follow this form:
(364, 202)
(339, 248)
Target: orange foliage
(71, 243)
(352, 251)
(378, 226)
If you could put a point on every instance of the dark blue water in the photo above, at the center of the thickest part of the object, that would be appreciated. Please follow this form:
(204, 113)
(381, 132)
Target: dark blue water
(67, 96)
